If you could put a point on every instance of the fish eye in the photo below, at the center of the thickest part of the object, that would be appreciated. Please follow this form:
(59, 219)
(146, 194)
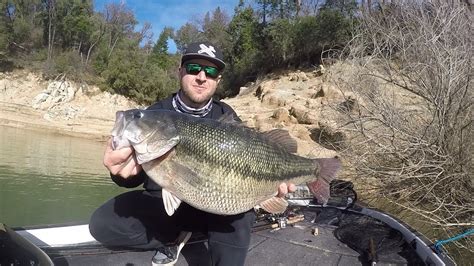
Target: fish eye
(137, 115)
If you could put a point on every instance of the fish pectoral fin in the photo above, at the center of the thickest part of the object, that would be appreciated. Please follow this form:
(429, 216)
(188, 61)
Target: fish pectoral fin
(274, 205)
(170, 201)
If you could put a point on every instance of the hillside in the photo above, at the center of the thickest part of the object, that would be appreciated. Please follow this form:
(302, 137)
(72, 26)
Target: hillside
(300, 102)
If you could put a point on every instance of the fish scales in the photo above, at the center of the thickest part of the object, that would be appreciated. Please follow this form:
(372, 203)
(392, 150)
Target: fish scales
(216, 166)
(240, 149)
(235, 166)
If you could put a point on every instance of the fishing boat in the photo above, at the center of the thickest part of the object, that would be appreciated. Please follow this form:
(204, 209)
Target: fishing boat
(339, 233)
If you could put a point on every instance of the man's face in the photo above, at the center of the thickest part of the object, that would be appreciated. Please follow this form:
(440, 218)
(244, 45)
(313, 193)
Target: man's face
(199, 88)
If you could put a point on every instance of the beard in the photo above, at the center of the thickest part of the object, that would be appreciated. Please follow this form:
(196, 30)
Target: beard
(195, 100)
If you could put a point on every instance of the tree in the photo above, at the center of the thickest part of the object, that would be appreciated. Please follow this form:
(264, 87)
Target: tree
(279, 41)
(54, 13)
(188, 33)
(77, 26)
(243, 55)
(215, 27)
(329, 29)
(114, 28)
(18, 24)
(97, 34)
(159, 54)
(50, 23)
(5, 29)
(131, 74)
(345, 7)
(278, 9)
(120, 22)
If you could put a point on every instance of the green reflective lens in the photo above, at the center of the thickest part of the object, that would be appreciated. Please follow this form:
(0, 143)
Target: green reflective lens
(211, 71)
(194, 69)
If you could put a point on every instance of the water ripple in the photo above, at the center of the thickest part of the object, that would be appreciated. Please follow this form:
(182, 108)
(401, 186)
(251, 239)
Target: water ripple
(47, 178)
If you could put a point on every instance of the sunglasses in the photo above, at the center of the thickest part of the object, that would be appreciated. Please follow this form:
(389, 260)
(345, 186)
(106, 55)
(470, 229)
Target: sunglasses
(194, 69)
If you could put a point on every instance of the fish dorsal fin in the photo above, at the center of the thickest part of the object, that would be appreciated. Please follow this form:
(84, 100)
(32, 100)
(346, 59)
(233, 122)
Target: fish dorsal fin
(282, 138)
(170, 201)
(274, 205)
(228, 118)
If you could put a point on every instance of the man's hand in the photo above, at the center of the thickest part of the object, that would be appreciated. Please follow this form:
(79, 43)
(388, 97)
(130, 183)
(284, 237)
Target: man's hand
(285, 188)
(121, 162)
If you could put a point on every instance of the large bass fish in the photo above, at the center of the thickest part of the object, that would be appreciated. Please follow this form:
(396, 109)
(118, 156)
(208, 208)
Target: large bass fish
(220, 167)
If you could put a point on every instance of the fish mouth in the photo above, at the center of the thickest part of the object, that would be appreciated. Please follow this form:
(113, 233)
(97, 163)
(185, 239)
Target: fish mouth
(119, 142)
(123, 137)
(118, 139)
(120, 124)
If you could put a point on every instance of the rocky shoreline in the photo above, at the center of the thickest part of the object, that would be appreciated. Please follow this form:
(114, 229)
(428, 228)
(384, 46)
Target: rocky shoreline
(300, 102)
(61, 107)
(26, 117)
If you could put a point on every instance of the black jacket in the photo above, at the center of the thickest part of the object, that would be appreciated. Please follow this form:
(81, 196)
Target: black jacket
(218, 109)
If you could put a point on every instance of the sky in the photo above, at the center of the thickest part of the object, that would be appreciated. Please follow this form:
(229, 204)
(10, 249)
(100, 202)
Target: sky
(171, 13)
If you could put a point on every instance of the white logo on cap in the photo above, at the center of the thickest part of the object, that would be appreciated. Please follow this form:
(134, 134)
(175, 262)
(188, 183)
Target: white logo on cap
(208, 50)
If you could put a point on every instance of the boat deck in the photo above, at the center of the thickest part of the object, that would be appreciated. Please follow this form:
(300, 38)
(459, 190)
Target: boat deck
(340, 233)
(307, 242)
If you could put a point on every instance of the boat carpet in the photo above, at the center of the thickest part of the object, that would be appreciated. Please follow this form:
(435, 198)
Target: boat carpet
(303, 243)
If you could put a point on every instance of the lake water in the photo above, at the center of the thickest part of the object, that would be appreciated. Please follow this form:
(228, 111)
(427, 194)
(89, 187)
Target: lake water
(48, 178)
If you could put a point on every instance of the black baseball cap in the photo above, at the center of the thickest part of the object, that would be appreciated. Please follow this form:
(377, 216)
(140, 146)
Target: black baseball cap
(204, 50)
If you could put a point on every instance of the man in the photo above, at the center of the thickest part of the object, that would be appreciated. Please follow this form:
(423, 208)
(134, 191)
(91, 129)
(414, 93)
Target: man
(138, 218)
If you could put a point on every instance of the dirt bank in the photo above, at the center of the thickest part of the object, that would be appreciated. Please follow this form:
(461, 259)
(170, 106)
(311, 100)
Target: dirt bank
(28, 101)
(301, 102)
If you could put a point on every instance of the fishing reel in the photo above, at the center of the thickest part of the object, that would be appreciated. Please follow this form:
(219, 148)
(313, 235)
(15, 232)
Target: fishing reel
(342, 194)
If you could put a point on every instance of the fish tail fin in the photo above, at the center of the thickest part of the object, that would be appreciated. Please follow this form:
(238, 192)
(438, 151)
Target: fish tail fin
(327, 169)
